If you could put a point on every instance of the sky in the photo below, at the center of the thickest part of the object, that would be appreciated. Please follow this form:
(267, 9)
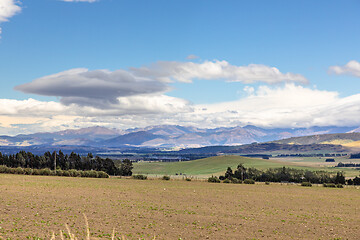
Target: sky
(203, 63)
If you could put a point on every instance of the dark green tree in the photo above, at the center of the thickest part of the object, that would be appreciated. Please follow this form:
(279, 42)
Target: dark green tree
(340, 178)
(240, 172)
(126, 168)
(356, 181)
(229, 173)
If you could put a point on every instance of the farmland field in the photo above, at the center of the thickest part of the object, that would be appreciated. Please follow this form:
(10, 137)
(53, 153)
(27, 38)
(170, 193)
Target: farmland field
(218, 165)
(206, 166)
(34, 206)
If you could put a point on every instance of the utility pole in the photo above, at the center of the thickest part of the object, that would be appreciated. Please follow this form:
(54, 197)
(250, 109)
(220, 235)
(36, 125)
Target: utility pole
(55, 163)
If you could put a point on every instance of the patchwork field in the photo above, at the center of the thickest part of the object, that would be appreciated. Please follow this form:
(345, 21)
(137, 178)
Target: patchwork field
(32, 207)
(218, 165)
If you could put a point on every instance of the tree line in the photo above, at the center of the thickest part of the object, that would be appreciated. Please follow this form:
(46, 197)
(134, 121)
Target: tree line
(340, 164)
(355, 155)
(285, 174)
(59, 160)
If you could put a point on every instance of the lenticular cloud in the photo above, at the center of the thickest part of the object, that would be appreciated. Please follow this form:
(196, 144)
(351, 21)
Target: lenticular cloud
(100, 87)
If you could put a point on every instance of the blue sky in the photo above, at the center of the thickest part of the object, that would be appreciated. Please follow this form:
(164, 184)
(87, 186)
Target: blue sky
(227, 51)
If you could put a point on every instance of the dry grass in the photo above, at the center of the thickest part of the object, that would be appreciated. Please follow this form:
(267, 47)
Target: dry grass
(87, 237)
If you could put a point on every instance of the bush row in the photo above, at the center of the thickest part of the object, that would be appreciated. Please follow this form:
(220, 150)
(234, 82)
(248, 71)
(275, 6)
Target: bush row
(251, 181)
(232, 180)
(306, 184)
(140, 177)
(166, 178)
(333, 185)
(49, 172)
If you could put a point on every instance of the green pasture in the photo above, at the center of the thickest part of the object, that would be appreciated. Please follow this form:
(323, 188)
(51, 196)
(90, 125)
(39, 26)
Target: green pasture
(218, 165)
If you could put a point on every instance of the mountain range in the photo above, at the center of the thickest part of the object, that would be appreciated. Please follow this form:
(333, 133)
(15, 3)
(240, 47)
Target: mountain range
(171, 136)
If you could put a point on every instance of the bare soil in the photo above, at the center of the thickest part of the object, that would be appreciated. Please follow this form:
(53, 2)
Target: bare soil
(32, 207)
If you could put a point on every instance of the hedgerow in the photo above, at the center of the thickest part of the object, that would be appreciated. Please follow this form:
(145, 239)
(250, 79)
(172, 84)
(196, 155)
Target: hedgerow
(49, 172)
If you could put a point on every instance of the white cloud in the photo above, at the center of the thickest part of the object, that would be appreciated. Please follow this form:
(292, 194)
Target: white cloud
(249, 90)
(37, 115)
(288, 106)
(351, 68)
(8, 8)
(30, 107)
(192, 56)
(134, 105)
(138, 105)
(210, 70)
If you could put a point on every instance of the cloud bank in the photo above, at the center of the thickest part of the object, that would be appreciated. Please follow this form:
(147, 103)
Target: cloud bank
(283, 106)
(351, 68)
(288, 106)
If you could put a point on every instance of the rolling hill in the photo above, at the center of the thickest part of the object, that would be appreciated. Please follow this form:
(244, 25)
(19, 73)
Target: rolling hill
(205, 166)
(218, 165)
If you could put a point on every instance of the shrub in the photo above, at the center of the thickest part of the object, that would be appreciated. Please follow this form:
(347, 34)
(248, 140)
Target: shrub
(10, 170)
(59, 172)
(49, 172)
(140, 177)
(93, 174)
(249, 181)
(74, 173)
(226, 181)
(85, 174)
(167, 178)
(66, 173)
(45, 171)
(28, 171)
(330, 185)
(36, 172)
(188, 179)
(3, 169)
(19, 170)
(306, 184)
(235, 180)
(102, 174)
(80, 173)
(213, 179)
(267, 183)
(339, 185)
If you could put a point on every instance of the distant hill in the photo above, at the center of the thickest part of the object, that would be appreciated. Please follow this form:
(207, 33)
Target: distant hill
(269, 148)
(345, 139)
(134, 138)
